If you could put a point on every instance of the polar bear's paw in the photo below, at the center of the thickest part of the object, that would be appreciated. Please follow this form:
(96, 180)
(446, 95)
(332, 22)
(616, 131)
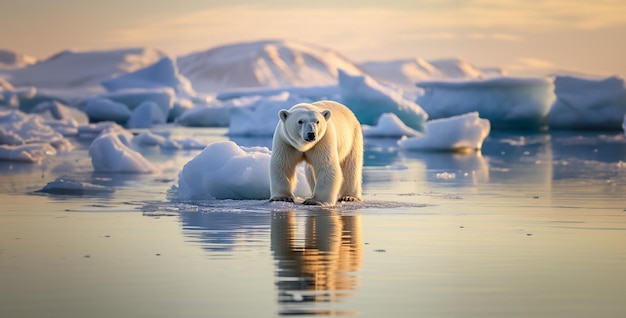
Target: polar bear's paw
(282, 199)
(312, 202)
(349, 198)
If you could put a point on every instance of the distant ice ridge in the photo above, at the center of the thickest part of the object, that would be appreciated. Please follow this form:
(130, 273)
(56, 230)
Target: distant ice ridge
(225, 170)
(80, 69)
(588, 103)
(407, 72)
(13, 60)
(464, 132)
(507, 102)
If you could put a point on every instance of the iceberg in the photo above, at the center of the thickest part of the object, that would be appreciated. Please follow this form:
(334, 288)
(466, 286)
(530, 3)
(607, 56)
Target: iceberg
(162, 74)
(588, 103)
(225, 170)
(213, 114)
(260, 116)
(132, 98)
(146, 115)
(103, 109)
(109, 154)
(457, 133)
(148, 139)
(389, 126)
(507, 102)
(59, 111)
(369, 100)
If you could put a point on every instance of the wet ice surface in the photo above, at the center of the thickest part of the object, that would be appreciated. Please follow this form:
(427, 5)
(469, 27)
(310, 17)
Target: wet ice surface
(533, 225)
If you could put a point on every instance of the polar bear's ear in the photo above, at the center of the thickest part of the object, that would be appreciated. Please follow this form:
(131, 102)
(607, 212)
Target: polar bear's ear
(326, 113)
(282, 114)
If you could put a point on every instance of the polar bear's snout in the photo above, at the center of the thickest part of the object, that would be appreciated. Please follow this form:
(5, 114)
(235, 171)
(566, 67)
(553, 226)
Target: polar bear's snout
(310, 133)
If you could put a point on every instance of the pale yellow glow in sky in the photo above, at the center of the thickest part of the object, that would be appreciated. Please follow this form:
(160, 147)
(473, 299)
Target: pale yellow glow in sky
(518, 35)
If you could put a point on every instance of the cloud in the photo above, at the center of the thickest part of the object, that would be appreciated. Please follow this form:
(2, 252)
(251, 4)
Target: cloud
(364, 28)
(530, 65)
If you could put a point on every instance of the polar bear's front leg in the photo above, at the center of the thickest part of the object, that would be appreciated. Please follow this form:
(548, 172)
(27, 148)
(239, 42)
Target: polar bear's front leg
(328, 179)
(283, 173)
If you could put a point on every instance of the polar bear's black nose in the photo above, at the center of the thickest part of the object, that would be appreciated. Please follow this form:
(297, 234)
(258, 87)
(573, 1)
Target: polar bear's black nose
(310, 136)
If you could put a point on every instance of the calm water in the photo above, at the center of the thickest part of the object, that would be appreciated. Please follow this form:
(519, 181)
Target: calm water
(532, 226)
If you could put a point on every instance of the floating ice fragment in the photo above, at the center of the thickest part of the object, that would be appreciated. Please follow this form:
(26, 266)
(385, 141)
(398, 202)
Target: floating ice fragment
(458, 133)
(109, 154)
(390, 126)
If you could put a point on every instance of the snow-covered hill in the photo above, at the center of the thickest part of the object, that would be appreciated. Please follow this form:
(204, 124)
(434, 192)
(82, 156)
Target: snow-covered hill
(12, 60)
(272, 63)
(75, 69)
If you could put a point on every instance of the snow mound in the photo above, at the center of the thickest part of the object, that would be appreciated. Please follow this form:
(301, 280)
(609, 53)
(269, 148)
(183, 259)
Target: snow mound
(369, 99)
(74, 69)
(225, 170)
(389, 126)
(588, 103)
(270, 63)
(161, 74)
(506, 101)
(260, 115)
(65, 185)
(109, 154)
(12, 60)
(458, 133)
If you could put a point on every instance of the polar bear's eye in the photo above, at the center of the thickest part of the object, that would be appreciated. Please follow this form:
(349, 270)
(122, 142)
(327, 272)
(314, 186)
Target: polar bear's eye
(300, 122)
(317, 121)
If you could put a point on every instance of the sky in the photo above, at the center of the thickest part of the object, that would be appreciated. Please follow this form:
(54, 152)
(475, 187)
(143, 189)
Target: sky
(524, 37)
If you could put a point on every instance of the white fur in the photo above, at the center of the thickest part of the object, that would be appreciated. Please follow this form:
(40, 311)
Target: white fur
(333, 153)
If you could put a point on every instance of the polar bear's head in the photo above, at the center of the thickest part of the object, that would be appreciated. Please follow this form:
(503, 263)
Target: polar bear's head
(304, 126)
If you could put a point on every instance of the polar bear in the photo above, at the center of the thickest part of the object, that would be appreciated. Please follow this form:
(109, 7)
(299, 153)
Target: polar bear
(327, 136)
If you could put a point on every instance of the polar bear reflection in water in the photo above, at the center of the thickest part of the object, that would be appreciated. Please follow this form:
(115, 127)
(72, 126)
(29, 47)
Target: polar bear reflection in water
(316, 264)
